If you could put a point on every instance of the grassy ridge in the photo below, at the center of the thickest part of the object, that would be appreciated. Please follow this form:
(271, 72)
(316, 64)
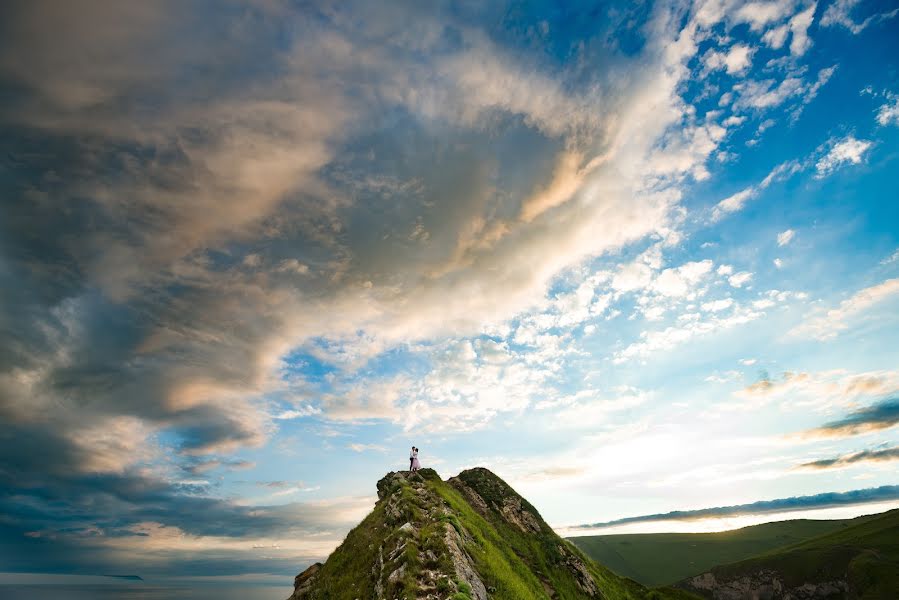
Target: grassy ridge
(534, 557)
(405, 536)
(865, 554)
(656, 559)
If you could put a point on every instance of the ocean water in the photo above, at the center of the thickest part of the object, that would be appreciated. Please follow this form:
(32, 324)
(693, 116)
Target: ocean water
(142, 592)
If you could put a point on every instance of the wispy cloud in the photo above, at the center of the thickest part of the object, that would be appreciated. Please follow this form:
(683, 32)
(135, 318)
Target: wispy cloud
(847, 151)
(832, 322)
(845, 460)
(829, 499)
(877, 417)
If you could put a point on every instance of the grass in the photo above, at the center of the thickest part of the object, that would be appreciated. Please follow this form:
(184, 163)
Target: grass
(656, 559)
(865, 553)
(512, 564)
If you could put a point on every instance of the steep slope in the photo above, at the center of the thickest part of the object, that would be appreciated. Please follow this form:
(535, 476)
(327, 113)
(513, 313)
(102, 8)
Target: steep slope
(860, 561)
(470, 538)
(665, 558)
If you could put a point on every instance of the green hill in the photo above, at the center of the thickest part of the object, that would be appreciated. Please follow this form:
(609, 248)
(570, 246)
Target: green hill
(859, 561)
(470, 538)
(656, 559)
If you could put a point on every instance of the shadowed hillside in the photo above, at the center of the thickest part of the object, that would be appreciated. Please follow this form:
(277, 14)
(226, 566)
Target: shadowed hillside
(860, 561)
(664, 558)
(470, 538)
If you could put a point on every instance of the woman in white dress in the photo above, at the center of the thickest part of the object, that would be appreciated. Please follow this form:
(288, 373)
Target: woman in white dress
(415, 464)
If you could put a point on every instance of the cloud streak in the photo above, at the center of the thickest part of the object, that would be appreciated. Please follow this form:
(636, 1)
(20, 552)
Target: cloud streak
(825, 500)
(846, 460)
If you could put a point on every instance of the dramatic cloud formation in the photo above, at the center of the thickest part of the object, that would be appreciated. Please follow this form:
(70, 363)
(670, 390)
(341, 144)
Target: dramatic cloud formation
(244, 245)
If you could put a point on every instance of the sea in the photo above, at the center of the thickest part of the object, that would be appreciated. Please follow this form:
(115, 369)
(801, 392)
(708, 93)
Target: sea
(142, 592)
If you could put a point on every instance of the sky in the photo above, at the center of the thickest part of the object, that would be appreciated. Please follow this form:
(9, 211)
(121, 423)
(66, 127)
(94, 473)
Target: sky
(641, 259)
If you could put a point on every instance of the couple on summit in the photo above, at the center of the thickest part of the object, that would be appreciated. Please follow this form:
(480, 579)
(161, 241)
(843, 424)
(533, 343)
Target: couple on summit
(413, 460)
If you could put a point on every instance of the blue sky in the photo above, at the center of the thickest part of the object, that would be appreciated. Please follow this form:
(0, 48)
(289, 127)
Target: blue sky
(634, 257)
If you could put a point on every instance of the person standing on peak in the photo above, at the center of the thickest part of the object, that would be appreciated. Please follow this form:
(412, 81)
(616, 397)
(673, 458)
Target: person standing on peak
(415, 464)
(411, 457)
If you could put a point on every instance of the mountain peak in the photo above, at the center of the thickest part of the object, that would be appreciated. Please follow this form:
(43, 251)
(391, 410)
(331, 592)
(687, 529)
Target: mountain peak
(472, 537)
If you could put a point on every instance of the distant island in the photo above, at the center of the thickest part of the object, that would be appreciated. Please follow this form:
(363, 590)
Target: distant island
(127, 577)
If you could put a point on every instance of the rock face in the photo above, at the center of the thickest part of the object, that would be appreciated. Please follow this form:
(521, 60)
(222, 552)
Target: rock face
(763, 585)
(471, 538)
(302, 583)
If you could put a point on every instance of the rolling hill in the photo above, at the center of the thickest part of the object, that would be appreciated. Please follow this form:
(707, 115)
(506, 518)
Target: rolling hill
(859, 561)
(656, 559)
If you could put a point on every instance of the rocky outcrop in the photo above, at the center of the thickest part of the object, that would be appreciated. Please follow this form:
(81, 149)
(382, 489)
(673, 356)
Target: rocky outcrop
(762, 585)
(302, 583)
(471, 538)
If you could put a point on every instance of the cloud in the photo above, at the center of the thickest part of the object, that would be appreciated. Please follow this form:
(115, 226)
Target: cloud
(888, 113)
(735, 61)
(828, 499)
(367, 448)
(879, 416)
(799, 25)
(760, 14)
(737, 201)
(846, 460)
(832, 322)
(839, 14)
(740, 279)
(842, 152)
(785, 237)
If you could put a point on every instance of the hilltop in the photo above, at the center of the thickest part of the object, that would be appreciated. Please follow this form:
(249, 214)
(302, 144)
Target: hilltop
(858, 561)
(469, 538)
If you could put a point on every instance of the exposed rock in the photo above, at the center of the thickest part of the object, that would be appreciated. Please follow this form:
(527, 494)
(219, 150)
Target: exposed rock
(462, 564)
(763, 585)
(579, 570)
(518, 516)
(397, 574)
(302, 583)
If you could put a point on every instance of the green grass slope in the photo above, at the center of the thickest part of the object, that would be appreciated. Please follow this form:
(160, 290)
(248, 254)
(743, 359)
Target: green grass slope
(656, 559)
(467, 538)
(859, 561)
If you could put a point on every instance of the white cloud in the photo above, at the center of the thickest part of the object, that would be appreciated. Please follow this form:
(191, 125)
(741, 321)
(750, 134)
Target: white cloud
(748, 362)
(785, 237)
(835, 320)
(846, 151)
(689, 327)
(632, 276)
(778, 263)
(737, 201)
(717, 305)
(733, 203)
(838, 14)
(894, 257)
(740, 279)
(776, 37)
(367, 448)
(296, 413)
(725, 270)
(736, 60)
(799, 25)
(759, 14)
(888, 113)
(681, 281)
(765, 94)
